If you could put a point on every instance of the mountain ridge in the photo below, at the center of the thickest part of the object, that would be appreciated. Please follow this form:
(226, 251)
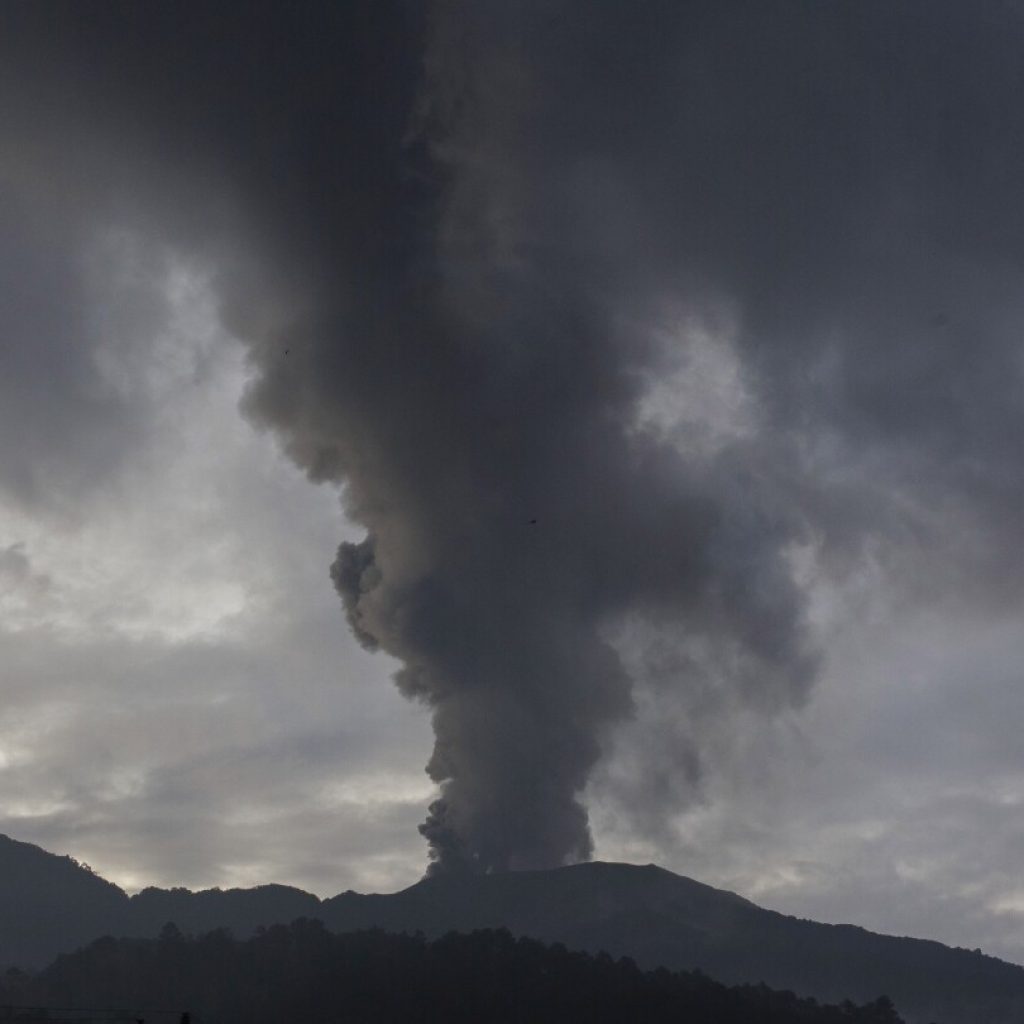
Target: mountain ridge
(51, 904)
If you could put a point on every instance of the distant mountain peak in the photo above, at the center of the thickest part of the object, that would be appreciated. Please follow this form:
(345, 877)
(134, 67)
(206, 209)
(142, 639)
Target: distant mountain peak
(51, 904)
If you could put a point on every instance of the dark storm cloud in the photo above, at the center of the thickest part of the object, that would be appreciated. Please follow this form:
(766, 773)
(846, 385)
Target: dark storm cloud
(473, 229)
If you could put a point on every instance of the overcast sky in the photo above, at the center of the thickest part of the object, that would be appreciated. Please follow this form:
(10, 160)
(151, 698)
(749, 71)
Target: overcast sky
(728, 297)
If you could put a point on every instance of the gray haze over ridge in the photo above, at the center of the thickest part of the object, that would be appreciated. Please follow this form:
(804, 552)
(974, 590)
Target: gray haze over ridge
(724, 296)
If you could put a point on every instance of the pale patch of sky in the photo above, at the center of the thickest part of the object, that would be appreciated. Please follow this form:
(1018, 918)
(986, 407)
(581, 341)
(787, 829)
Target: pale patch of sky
(180, 688)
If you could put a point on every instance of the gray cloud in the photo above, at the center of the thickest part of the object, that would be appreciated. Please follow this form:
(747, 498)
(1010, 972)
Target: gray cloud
(482, 240)
(204, 748)
(61, 432)
(181, 704)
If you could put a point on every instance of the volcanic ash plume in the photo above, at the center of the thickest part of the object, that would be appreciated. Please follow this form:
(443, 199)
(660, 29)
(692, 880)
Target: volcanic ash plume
(603, 317)
(447, 238)
(479, 397)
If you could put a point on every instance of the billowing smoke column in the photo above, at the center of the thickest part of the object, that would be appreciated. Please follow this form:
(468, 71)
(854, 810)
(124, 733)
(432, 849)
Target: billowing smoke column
(478, 395)
(470, 247)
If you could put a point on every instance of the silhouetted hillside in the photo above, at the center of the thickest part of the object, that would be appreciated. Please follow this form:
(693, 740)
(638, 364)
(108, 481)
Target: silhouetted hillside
(305, 973)
(662, 919)
(241, 910)
(50, 904)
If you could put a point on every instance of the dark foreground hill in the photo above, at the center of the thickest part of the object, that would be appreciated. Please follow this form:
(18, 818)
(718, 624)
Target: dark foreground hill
(302, 972)
(662, 919)
(49, 904)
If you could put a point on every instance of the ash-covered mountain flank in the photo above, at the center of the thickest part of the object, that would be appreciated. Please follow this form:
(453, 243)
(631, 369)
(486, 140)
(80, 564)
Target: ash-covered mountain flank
(51, 904)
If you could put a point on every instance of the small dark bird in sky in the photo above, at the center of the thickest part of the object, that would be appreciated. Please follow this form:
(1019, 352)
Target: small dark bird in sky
(533, 522)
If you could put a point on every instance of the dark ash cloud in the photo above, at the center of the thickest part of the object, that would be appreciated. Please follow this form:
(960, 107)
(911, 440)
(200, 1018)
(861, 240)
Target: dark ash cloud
(483, 230)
